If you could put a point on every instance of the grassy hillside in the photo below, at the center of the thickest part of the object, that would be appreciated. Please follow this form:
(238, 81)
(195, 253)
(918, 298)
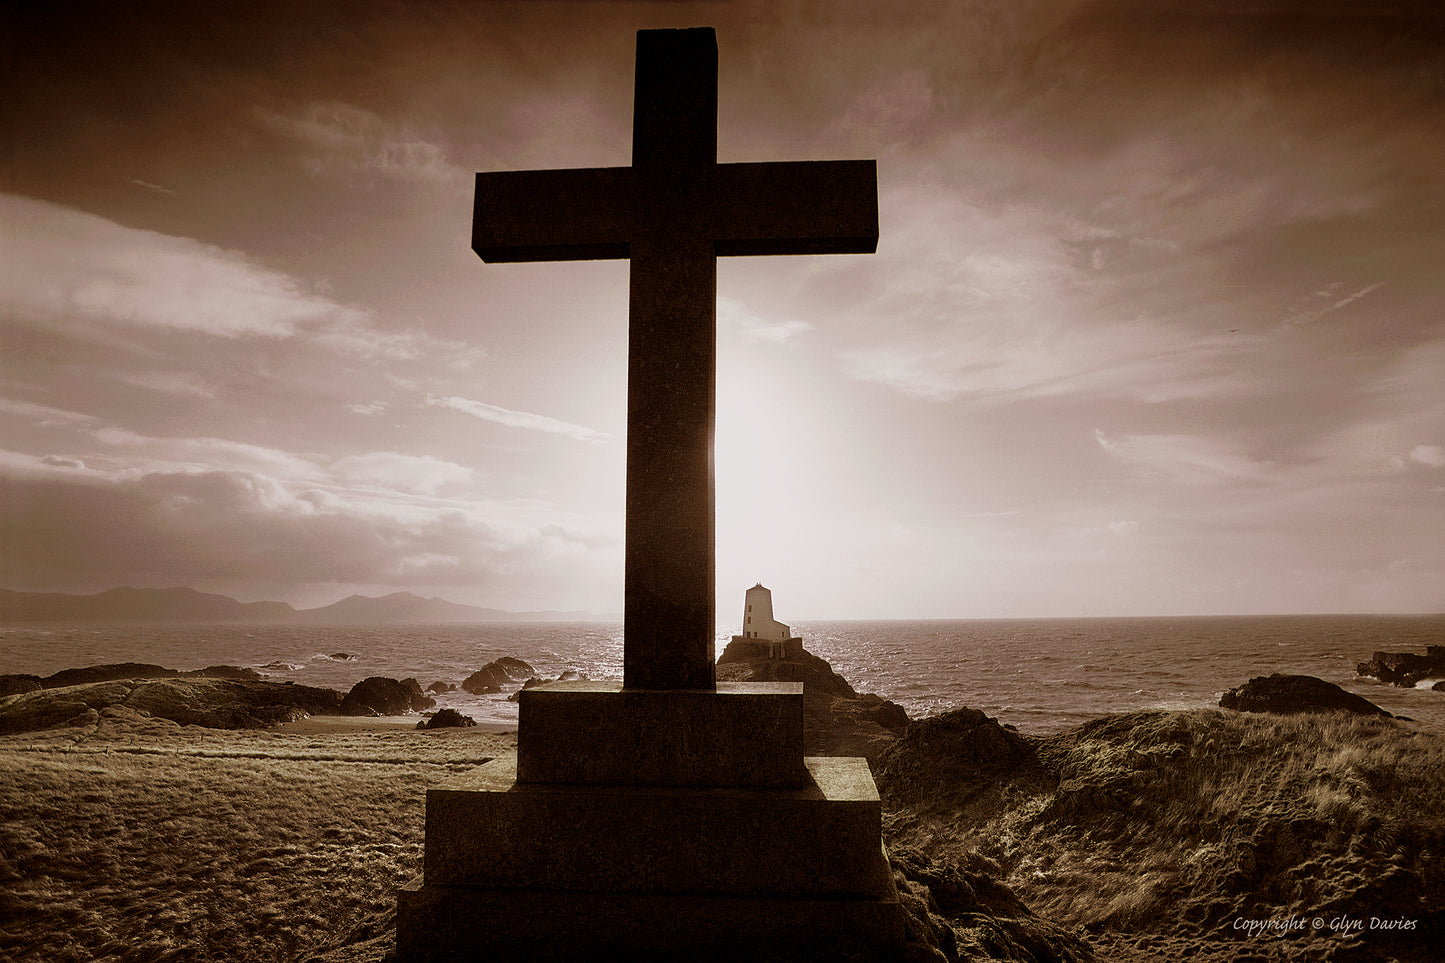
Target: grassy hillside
(1208, 829)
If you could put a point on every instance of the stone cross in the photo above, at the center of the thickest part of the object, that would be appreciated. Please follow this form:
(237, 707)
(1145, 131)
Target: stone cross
(672, 213)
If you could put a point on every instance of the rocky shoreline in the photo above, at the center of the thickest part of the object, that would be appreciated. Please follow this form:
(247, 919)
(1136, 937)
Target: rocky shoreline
(1406, 669)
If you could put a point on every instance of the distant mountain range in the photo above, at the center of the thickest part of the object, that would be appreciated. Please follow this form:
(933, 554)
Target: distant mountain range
(188, 605)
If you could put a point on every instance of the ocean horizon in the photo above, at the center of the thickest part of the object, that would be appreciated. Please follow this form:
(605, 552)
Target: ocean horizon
(1040, 675)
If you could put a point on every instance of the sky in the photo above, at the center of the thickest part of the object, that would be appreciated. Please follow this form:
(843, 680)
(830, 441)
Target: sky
(1156, 323)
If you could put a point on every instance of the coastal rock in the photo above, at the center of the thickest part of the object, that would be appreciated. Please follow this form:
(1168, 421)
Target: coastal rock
(108, 673)
(380, 696)
(16, 684)
(837, 721)
(446, 718)
(441, 687)
(959, 765)
(814, 672)
(492, 676)
(1296, 693)
(213, 703)
(1405, 669)
(53, 708)
(225, 672)
(231, 703)
(570, 675)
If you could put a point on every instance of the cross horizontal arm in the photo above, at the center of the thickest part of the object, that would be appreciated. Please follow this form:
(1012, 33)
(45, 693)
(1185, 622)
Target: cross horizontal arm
(804, 207)
(559, 215)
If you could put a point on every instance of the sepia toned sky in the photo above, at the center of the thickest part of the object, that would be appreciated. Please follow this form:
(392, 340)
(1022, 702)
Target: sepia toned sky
(1156, 324)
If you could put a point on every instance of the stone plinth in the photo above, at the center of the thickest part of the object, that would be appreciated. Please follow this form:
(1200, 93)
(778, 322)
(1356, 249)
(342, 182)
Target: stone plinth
(448, 924)
(485, 829)
(529, 871)
(746, 735)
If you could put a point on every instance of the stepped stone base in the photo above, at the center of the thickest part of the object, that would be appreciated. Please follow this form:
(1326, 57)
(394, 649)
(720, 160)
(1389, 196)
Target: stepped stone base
(449, 924)
(529, 871)
(483, 828)
(741, 734)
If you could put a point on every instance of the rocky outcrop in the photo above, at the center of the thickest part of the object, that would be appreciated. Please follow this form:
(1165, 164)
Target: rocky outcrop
(15, 684)
(1404, 669)
(957, 915)
(959, 765)
(378, 696)
(837, 721)
(570, 675)
(446, 718)
(1289, 694)
(441, 688)
(492, 676)
(213, 703)
(108, 673)
(10, 684)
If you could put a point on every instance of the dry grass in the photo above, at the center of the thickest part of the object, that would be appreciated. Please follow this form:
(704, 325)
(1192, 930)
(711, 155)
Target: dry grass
(1179, 823)
(138, 840)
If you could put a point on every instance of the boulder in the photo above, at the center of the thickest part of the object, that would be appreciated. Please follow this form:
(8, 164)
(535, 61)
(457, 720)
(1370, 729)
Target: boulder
(377, 696)
(1289, 694)
(441, 687)
(492, 676)
(445, 718)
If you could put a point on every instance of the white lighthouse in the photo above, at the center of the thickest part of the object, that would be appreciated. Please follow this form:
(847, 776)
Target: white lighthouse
(759, 624)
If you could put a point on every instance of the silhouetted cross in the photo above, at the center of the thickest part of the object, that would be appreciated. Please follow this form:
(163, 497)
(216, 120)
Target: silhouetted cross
(673, 212)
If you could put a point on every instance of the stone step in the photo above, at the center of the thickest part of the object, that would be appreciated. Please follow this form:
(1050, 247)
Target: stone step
(451, 924)
(741, 734)
(485, 829)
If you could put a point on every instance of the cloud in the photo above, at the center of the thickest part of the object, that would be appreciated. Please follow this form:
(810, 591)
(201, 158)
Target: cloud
(1432, 455)
(733, 314)
(143, 454)
(372, 519)
(518, 419)
(338, 139)
(388, 469)
(151, 187)
(177, 383)
(66, 269)
(62, 265)
(1189, 459)
(44, 415)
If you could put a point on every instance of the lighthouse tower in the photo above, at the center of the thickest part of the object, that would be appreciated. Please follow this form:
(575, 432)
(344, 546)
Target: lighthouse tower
(759, 624)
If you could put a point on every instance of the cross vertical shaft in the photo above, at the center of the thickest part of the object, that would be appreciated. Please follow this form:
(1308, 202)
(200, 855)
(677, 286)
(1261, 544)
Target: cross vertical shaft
(672, 213)
(668, 586)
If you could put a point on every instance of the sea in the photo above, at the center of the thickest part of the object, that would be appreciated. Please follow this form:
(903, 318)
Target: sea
(1039, 675)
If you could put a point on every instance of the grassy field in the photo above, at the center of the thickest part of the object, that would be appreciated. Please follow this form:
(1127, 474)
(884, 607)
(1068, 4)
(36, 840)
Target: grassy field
(142, 840)
(1154, 834)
